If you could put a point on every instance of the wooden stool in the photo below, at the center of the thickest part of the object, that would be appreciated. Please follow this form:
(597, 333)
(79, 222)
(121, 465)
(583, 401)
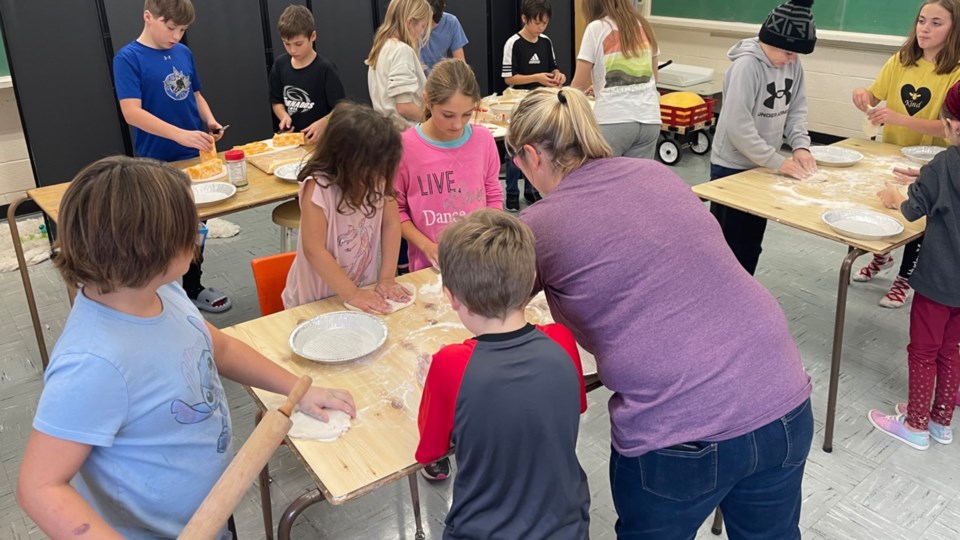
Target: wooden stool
(287, 216)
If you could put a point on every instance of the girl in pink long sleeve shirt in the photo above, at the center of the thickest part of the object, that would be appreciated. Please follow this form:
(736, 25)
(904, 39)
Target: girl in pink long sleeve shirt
(449, 167)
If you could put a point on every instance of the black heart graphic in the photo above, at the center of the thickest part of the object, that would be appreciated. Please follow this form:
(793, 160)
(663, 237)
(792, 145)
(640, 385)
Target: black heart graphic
(914, 99)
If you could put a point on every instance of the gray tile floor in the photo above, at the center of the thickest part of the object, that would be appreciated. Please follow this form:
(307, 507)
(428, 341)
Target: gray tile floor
(870, 487)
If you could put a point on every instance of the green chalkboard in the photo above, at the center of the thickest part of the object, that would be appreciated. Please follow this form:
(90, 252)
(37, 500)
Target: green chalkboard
(891, 17)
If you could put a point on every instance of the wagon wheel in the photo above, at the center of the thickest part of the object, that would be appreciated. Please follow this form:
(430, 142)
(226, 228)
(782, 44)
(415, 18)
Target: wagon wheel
(702, 143)
(668, 151)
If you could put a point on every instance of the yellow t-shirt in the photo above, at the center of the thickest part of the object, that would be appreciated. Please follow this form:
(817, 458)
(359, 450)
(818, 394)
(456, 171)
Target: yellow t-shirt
(916, 91)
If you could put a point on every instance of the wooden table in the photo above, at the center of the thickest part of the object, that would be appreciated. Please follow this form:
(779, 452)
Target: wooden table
(379, 447)
(264, 189)
(764, 193)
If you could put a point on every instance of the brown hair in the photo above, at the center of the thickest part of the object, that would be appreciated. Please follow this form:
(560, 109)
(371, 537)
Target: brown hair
(178, 12)
(489, 262)
(949, 55)
(626, 17)
(448, 78)
(562, 124)
(535, 10)
(122, 222)
(296, 21)
(395, 23)
(358, 153)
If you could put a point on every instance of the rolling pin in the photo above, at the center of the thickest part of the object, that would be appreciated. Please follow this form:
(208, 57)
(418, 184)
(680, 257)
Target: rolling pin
(216, 508)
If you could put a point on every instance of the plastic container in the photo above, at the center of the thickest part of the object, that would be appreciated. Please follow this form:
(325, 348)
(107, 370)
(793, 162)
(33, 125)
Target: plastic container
(237, 168)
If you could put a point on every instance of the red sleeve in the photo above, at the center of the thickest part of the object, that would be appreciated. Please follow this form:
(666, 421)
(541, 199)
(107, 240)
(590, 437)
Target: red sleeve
(564, 338)
(439, 402)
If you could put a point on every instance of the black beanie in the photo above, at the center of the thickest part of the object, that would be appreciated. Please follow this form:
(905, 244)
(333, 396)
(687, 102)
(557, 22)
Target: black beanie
(790, 27)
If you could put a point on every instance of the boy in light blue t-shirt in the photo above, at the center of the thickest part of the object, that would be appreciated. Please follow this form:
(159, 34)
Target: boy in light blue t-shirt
(133, 427)
(447, 39)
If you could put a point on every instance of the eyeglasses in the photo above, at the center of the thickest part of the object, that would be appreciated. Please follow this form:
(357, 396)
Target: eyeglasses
(201, 234)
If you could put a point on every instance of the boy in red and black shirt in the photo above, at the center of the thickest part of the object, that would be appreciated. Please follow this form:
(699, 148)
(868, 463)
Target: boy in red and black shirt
(509, 399)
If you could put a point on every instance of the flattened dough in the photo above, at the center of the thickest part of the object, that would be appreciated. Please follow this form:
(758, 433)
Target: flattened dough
(308, 427)
(394, 306)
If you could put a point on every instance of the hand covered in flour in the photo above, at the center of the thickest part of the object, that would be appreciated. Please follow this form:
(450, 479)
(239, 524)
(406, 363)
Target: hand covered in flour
(890, 196)
(883, 115)
(424, 361)
(805, 159)
(906, 176)
(863, 99)
(391, 290)
(369, 301)
(316, 399)
(791, 167)
(432, 253)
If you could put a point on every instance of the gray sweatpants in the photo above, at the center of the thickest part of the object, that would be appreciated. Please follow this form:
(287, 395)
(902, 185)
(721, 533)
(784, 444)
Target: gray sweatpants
(632, 139)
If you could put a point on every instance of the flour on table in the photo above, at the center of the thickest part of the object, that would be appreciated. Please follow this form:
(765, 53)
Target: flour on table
(308, 427)
(394, 306)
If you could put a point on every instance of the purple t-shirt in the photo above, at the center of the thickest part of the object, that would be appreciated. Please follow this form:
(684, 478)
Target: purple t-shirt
(693, 347)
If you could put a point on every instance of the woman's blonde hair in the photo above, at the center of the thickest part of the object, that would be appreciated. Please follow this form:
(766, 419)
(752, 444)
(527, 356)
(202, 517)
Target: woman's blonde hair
(626, 17)
(448, 78)
(949, 55)
(395, 24)
(562, 124)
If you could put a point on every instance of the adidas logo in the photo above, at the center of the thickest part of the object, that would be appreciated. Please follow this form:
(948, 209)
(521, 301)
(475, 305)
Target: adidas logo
(534, 60)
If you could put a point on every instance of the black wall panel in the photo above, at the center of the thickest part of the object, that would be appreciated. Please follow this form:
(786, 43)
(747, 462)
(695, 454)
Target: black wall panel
(472, 15)
(561, 32)
(344, 36)
(227, 44)
(63, 86)
(504, 22)
(124, 20)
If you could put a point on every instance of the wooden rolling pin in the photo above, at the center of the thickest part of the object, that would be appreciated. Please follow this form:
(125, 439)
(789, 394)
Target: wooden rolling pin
(216, 508)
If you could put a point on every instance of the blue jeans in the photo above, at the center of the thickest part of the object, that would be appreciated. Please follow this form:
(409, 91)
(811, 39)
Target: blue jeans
(513, 175)
(754, 478)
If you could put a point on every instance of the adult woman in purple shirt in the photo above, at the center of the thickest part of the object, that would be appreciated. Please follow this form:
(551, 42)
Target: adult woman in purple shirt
(711, 402)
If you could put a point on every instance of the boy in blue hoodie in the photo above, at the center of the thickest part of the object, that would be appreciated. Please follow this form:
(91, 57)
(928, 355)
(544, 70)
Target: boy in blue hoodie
(764, 101)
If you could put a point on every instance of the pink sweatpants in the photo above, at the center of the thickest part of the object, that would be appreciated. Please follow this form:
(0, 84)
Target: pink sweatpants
(933, 358)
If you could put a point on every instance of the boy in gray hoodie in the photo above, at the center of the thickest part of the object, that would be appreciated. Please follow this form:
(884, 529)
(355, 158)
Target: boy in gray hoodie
(764, 100)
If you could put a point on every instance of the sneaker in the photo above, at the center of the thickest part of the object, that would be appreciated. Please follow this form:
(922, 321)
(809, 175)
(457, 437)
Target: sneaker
(892, 425)
(531, 198)
(877, 265)
(898, 295)
(513, 203)
(938, 432)
(436, 471)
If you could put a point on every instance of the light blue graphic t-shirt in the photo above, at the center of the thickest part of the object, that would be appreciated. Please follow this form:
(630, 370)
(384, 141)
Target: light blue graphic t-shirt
(145, 393)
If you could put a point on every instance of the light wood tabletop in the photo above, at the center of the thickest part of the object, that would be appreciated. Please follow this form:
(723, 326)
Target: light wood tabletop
(799, 204)
(264, 189)
(380, 445)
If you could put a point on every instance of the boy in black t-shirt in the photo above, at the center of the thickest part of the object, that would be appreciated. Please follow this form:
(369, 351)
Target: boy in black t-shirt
(304, 86)
(529, 63)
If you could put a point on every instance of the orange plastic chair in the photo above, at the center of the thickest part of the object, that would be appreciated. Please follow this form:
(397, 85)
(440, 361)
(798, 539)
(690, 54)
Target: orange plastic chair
(270, 276)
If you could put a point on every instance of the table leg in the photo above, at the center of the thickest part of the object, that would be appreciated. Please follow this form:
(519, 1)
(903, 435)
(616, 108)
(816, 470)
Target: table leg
(717, 527)
(415, 496)
(25, 278)
(838, 345)
(296, 508)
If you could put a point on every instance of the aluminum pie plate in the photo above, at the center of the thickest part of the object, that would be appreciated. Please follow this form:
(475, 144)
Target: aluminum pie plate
(288, 172)
(862, 224)
(337, 337)
(835, 156)
(921, 154)
(211, 193)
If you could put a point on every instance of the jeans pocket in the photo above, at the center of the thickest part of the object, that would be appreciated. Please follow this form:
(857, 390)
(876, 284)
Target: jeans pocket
(798, 430)
(679, 475)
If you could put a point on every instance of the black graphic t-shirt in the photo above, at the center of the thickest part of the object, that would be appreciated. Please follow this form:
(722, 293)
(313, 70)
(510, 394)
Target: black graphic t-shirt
(309, 93)
(520, 57)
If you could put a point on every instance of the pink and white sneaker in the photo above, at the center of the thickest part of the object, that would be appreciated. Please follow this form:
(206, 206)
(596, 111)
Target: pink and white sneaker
(938, 432)
(877, 265)
(893, 425)
(898, 295)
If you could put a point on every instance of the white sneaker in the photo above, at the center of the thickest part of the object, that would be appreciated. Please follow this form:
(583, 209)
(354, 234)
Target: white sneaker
(877, 265)
(898, 295)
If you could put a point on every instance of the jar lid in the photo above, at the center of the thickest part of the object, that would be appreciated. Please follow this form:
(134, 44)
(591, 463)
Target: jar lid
(233, 155)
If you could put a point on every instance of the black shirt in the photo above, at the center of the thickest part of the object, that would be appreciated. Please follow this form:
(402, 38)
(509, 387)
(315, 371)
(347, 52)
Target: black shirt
(308, 93)
(520, 57)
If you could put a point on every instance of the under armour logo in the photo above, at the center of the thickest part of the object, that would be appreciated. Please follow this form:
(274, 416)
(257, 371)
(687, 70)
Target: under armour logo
(777, 94)
(167, 57)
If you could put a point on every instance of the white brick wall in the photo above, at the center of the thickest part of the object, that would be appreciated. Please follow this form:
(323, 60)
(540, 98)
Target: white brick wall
(15, 172)
(832, 72)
